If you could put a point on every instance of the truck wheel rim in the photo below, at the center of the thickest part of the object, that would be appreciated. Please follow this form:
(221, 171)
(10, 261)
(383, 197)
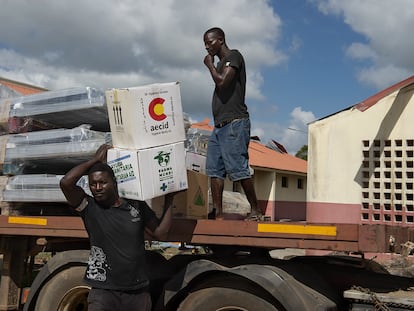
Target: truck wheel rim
(76, 299)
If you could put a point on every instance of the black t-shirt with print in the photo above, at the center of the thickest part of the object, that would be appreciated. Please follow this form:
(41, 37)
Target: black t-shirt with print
(116, 236)
(229, 102)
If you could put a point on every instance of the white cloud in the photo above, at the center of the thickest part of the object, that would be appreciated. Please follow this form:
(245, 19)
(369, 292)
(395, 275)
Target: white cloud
(295, 136)
(301, 118)
(267, 131)
(292, 137)
(361, 51)
(383, 76)
(121, 43)
(387, 27)
(295, 44)
(259, 132)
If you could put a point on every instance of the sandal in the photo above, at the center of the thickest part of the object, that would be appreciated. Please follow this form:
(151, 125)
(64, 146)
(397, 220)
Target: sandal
(212, 214)
(255, 217)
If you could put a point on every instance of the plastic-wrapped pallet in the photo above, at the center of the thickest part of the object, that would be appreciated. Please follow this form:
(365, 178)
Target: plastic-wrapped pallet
(197, 140)
(66, 108)
(51, 151)
(37, 188)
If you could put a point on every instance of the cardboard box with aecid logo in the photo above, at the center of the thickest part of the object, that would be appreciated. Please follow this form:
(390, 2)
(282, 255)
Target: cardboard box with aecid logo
(145, 116)
(147, 173)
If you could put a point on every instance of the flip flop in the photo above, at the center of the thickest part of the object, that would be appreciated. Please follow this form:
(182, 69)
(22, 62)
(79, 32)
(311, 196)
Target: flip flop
(212, 214)
(254, 217)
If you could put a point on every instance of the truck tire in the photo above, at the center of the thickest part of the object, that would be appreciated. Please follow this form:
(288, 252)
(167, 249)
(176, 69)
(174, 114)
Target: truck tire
(218, 298)
(65, 291)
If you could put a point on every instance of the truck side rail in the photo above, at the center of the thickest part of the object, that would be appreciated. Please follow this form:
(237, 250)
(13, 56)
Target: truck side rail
(333, 237)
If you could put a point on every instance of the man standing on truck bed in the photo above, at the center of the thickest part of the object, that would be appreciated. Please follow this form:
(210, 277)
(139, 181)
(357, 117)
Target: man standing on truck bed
(116, 268)
(227, 151)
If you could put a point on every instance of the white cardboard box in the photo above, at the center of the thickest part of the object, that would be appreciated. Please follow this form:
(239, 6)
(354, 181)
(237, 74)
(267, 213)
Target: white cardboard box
(195, 162)
(145, 116)
(147, 173)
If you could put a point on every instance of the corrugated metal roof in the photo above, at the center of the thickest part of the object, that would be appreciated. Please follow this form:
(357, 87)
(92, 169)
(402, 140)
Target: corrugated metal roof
(371, 101)
(264, 157)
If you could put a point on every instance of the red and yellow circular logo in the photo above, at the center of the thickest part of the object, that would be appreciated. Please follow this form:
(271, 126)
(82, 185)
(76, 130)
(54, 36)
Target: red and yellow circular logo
(156, 109)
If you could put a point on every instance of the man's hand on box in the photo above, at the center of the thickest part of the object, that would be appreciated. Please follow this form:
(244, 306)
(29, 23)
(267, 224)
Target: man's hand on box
(100, 154)
(169, 197)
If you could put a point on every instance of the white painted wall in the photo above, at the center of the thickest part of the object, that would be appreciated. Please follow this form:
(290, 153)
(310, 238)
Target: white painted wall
(292, 192)
(335, 145)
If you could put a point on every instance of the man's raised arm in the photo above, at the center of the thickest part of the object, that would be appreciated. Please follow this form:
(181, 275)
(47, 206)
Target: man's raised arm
(73, 193)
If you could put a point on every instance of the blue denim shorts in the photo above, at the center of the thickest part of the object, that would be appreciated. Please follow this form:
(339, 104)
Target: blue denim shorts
(228, 151)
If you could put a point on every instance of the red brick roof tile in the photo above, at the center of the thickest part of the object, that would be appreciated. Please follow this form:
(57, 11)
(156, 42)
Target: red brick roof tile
(21, 88)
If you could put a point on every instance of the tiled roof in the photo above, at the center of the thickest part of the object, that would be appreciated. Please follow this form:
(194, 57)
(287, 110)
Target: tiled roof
(264, 157)
(21, 88)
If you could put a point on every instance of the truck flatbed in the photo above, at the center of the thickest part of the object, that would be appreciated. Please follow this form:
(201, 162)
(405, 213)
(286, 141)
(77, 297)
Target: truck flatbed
(272, 235)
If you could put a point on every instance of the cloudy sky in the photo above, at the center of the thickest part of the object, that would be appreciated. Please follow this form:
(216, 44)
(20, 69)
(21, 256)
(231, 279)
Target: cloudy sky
(306, 59)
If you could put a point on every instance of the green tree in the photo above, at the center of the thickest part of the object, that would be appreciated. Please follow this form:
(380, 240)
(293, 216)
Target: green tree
(302, 153)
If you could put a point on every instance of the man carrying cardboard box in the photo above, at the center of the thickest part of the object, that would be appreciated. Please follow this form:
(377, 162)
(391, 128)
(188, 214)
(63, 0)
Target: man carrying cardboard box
(227, 151)
(116, 266)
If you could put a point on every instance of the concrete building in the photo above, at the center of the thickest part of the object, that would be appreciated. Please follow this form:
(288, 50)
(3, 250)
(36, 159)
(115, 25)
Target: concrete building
(11, 88)
(279, 178)
(361, 161)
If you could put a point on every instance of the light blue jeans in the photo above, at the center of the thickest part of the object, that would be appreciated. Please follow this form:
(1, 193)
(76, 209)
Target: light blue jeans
(227, 151)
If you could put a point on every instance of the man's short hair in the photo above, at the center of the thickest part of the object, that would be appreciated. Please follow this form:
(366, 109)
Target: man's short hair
(102, 167)
(218, 31)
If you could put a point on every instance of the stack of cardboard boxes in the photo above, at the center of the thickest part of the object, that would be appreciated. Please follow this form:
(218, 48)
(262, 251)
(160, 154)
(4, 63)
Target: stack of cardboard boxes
(148, 137)
(149, 156)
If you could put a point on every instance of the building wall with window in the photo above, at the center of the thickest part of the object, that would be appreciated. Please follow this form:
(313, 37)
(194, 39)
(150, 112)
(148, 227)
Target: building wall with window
(281, 195)
(360, 161)
(290, 197)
